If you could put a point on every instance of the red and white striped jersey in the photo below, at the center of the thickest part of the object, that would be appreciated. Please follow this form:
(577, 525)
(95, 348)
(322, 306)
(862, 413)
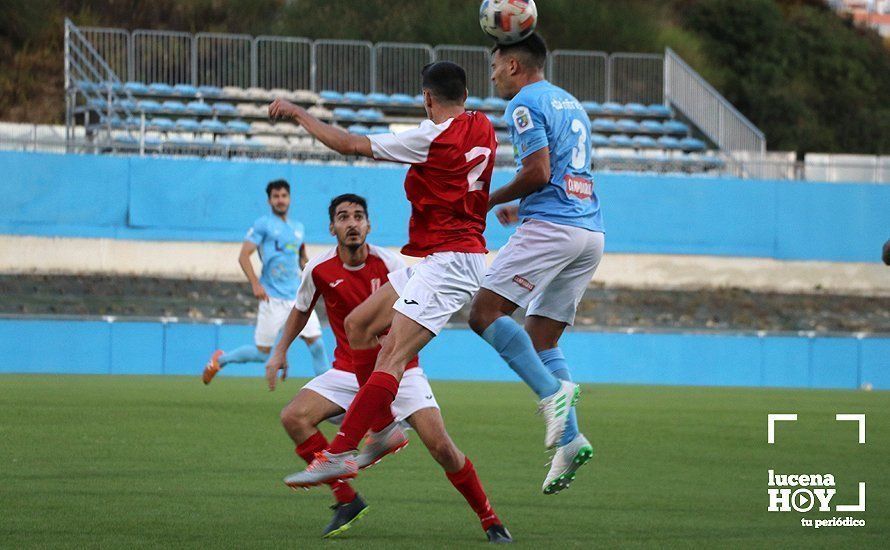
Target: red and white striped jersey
(343, 288)
(447, 183)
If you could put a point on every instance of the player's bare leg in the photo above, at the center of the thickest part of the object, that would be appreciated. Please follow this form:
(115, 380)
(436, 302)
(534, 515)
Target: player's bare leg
(302, 415)
(300, 419)
(430, 427)
(573, 450)
(490, 318)
(371, 318)
(405, 339)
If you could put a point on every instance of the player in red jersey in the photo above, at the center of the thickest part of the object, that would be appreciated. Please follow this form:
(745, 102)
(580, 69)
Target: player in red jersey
(345, 276)
(451, 162)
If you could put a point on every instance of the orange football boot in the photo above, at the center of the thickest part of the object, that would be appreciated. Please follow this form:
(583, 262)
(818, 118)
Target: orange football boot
(212, 367)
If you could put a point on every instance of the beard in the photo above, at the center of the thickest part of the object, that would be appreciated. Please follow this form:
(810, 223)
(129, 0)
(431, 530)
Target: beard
(353, 246)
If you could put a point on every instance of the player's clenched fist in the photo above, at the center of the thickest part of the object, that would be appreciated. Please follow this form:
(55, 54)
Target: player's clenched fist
(508, 215)
(282, 109)
(277, 362)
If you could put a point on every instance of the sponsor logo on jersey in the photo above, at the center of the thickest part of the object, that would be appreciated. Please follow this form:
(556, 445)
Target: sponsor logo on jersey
(335, 283)
(524, 283)
(579, 187)
(522, 119)
(410, 302)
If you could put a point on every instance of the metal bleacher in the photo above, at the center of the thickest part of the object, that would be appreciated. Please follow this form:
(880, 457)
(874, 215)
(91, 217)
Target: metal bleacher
(135, 96)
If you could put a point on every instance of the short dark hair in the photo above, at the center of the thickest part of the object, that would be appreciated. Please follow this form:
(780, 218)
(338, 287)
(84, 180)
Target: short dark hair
(277, 184)
(346, 197)
(447, 81)
(532, 50)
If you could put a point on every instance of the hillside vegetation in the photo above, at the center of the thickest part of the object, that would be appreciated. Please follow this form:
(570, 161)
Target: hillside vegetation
(810, 79)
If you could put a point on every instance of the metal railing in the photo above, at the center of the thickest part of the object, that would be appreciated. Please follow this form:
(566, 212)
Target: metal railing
(583, 74)
(112, 45)
(284, 63)
(162, 56)
(636, 77)
(223, 59)
(347, 65)
(476, 61)
(398, 65)
(698, 101)
(343, 65)
(174, 57)
(88, 74)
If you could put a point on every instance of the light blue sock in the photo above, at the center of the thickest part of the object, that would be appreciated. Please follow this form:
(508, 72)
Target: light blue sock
(515, 347)
(319, 357)
(244, 354)
(554, 360)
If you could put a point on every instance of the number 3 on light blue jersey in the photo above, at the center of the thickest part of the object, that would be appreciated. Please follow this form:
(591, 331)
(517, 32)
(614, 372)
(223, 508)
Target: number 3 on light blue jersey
(579, 153)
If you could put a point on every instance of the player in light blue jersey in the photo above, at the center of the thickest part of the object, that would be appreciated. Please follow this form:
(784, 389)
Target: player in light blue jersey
(279, 241)
(550, 259)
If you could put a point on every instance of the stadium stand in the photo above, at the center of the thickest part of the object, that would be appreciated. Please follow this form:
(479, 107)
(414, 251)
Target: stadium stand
(199, 118)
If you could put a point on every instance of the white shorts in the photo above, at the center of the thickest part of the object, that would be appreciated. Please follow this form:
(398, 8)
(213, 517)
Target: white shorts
(340, 387)
(545, 267)
(271, 317)
(434, 289)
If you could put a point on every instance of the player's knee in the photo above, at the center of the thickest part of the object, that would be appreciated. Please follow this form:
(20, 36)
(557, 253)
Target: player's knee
(446, 454)
(479, 318)
(294, 419)
(355, 331)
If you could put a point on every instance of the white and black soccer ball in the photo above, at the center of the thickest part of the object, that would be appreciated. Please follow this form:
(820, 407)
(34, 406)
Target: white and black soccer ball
(508, 21)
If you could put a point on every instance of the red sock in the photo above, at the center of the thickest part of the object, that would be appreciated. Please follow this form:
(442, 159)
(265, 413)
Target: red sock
(343, 492)
(373, 398)
(363, 361)
(467, 482)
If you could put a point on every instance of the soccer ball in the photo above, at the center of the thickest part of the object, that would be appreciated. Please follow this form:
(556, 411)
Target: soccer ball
(508, 21)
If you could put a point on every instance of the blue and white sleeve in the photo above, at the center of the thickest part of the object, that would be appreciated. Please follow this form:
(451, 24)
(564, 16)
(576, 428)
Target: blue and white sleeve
(526, 124)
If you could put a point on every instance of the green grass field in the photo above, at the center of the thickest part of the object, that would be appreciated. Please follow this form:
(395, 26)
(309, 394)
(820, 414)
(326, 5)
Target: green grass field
(167, 462)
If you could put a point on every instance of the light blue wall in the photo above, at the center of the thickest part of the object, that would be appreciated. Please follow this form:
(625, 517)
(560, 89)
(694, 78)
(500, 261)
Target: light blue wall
(190, 199)
(96, 347)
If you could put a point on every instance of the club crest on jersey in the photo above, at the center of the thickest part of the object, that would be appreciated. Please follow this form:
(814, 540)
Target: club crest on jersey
(578, 187)
(522, 119)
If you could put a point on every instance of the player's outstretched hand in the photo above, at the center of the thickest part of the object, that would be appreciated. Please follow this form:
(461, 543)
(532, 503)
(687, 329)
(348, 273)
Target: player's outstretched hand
(277, 362)
(508, 215)
(283, 109)
(259, 293)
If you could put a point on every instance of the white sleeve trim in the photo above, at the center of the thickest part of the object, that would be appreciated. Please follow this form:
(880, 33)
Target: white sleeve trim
(306, 292)
(392, 260)
(408, 147)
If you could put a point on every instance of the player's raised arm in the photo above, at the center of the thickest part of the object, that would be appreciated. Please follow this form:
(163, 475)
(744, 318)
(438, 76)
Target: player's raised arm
(333, 137)
(295, 324)
(534, 174)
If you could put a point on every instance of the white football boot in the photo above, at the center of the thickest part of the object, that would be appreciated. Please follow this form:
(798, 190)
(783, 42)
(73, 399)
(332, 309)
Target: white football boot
(565, 463)
(390, 439)
(326, 467)
(556, 411)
